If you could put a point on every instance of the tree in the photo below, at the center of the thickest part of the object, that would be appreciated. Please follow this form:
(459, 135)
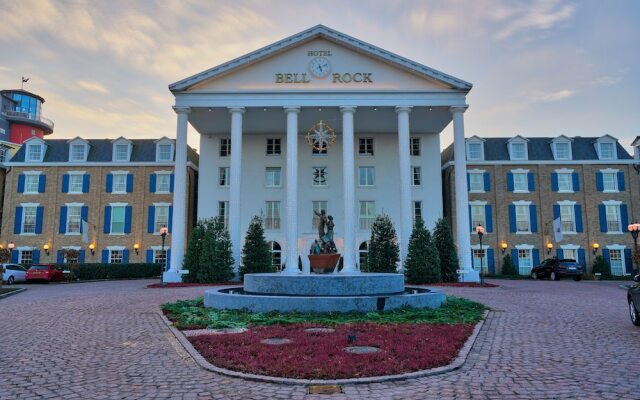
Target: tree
(191, 260)
(601, 266)
(384, 253)
(256, 254)
(447, 252)
(209, 259)
(423, 263)
(508, 267)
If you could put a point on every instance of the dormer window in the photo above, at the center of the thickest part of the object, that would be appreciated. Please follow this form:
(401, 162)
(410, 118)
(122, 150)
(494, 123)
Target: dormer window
(165, 152)
(518, 151)
(77, 153)
(34, 153)
(606, 147)
(474, 152)
(562, 151)
(607, 151)
(121, 152)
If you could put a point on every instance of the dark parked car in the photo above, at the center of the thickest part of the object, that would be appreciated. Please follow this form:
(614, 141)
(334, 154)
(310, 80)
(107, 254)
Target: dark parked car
(633, 297)
(44, 272)
(554, 269)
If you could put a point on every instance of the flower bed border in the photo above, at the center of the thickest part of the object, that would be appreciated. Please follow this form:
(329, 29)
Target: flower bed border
(203, 363)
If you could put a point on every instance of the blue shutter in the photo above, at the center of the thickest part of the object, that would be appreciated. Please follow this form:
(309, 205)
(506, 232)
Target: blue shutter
(602, 211)
(109, 187)
(36, 257)
(628, 261)
(17, 222)
(581, 258)
(468, 182)
(63, 220)
(532, 183)
(171, 184)
(560, 254)
(488, 218)
(576, 181)
(491, 261)
(107, 219)
(81, 257)
(84, 216)
(60, 257)
(151, 220)
(554, 182)
(65, 183)
(39, 215)
(170, 218)
(556, 211)
(624, 217)
(129, 183)
(42, 183)
(510, 181)
(127, 219)
(152, 183)
(14, 256)
(487, 182)
(578, 215)
(514, 258)
(168, 260)
(599, 182)
(621, 181)
(86, 181)
(125, 256)
(105, 256)
(512, 218)
(536, 257)
(533, 218)
(21, 183)
(607, 258)
(149, 256)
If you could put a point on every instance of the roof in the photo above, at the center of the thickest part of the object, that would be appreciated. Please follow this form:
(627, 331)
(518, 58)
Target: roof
(539, 149)
(321, 31)
(22, 91)
(101, 150)
(636, 141)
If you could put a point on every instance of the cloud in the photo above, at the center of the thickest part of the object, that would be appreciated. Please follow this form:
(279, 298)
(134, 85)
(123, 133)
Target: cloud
(542, 15)
(606, 80)
(96, 87)
(546, 97)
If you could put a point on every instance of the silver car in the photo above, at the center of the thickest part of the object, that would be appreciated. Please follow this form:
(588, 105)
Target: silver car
(14, 273)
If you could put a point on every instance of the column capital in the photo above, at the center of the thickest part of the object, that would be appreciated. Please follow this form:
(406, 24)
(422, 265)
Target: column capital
(400, 109)
(181, 110)
(289, 109)
(348, 109)
(240, 110)
(460, 109)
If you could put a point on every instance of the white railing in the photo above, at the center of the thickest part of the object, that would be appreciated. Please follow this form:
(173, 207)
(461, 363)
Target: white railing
(33, 117)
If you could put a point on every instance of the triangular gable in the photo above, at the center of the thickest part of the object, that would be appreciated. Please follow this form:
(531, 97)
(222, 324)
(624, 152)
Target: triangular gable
(561, 138)
(517, 138)
(78, 139)
(322, 32)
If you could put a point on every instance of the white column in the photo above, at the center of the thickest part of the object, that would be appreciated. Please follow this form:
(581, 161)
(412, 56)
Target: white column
(235, 172)
(179, 198)
(462, 197)
(406, 218)
(349, 192)
(291, 225)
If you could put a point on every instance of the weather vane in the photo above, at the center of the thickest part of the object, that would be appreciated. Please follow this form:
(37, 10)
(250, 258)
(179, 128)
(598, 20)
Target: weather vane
(24, 80)
(321, 136)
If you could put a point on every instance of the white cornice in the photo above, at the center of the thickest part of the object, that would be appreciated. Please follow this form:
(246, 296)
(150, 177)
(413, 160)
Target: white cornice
(95, 164)
(531, 163)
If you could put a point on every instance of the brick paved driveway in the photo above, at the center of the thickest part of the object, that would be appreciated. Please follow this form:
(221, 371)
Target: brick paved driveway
(106, 341)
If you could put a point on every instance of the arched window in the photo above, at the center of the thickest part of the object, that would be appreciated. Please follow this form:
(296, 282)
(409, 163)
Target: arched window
(363, 251)
(276, 255)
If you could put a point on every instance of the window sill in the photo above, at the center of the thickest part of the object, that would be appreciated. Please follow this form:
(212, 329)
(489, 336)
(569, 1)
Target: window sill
(73, 234)
(521, 191)
(118, 193)
(477, 191)
(614, 233)
(28, 234)
(273, 187)
(569, 233)
(611, 191)
(565, 191)
(117, 234)
(30, 193)
(163, 192)
(524, 233)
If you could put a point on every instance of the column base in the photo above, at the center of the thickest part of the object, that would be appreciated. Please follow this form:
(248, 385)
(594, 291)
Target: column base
(469, 275)
(172, 276)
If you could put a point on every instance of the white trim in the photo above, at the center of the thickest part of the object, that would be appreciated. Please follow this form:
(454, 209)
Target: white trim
(25, 248)
(110, 248)
(478, 203)
(164, 172)
(83, 143)
(31, 172)
(526, 247)
(561, 139)
(570, 247)
(616, 247)
(531, 163)
(564, 171)
(522, 203)
(611, 202)
(610, 171)
(75, 172)
(476, 172)
(518, 140)
(95, 164)
(29, 204)
(162, 204)
(164, 141)
(477, 246)
(474, 141)
(43, 149)
(119, 172)
(74, 204)
(71, 248)
(520, 171)
(117, 142)
(159, 248)
(567, 203)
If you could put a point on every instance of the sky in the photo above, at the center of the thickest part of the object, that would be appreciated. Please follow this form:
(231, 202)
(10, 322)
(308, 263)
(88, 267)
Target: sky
(539, 67)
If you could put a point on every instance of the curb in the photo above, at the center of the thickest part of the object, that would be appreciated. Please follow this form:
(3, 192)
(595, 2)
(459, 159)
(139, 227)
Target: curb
(20, 290)
(203, 363)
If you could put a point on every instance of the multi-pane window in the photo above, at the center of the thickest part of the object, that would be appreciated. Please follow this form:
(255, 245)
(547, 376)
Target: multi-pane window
(363, 253)
(319, 176)
(567, 218)
(477, 216)
(417, 210)
(480, 258)
(616, 261)
(225, 147)
(160, 257)
(163, 183)
(276, 255)
(366, 176)
(318, 207)
(31, 183)
(562, 151)
(476, 182)
(321, 150)
(117, 219)
(77, 152)
(613, 218)
(272, 176)
(75, 183)
(414, 146)
(610, 181)
(119, 183)
(416, 177)
(524, 261)
(565, 182)
(164, 152)
(71, 260)
(29, 219)
(273, 147)
(571, 254)
(162, 217)
(34, 152)
(272, 220)
(520, 182)
(365, 146)
(606, 151)
(522, 218)
(367, 209)
(73, 219)
(116, 256)
(474, 151)
(223, 212)
(223, 176)
(122, 152)
(26, 257)
(518, 151)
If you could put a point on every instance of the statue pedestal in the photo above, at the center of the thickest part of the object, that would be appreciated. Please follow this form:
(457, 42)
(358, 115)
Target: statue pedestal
(324, 263)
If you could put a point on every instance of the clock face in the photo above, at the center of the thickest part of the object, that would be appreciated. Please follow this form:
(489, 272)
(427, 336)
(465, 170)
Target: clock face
(320, 67)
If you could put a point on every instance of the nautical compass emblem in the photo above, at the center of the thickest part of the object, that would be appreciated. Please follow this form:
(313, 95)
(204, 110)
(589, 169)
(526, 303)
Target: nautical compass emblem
(321, 136)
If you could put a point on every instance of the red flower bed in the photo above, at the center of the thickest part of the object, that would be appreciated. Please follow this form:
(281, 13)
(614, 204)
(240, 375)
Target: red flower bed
(310, 355)
(180, 284)
(462, 284)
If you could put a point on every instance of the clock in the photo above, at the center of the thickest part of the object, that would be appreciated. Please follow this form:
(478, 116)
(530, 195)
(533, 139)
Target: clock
(320, 67)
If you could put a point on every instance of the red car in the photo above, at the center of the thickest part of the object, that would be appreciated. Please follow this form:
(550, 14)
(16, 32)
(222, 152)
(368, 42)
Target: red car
(44, 272)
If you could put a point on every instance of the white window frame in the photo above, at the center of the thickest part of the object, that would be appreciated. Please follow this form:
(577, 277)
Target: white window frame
(276, 171)
(121, 142)
(416, 207)
(621, 249)
(367, 147)
(475, 252)
(112, 250)
(158, 249)
(565, 172)
(365, 220)
(223, 211)
(525, 247)
(572, 248)
(600, 147)
(75, 175)
(366, 183)
(469, 143)
(28, 175)
(224, 173)
(24, 214)
(21, 250)
(27, 154)
(474, 174)
(275, 251)
(610, 172)
(527, 206)
(520, 172)
(113, 183)
(156, 207)
(512, 152)
(75, 144)
(613, 203)
(276, 144)
(273, 215)
(481, 207)
(556, 155)
(165, 142)
(320, 183)
(416, 176)
(224, 143)
(124, 218)
(571, 206)
(77, 206)
(412, 141)
(165, 175)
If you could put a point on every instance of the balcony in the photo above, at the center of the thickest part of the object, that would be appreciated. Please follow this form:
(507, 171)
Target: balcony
(41, 122)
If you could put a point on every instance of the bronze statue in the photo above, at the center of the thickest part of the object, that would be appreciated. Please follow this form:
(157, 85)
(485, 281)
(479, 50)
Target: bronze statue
(324, 244)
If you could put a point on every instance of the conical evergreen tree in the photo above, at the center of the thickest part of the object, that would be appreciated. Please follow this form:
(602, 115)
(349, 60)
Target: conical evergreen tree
(447, 251)
(601, 266)
(256, 255)
(508, 267)
(383, 253)
(191, 260)
(216, 259)
(423, 263)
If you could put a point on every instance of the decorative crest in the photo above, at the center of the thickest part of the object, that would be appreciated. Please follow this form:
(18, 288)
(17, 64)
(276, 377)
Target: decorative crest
(321, 136)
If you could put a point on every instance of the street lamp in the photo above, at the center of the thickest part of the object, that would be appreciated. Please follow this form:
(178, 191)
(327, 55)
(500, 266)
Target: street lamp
(46, 248)
(480, 232)
(503, 247)
(549, 248)
(163, 235)
(634, 229)
(595, 247)
(92, 248)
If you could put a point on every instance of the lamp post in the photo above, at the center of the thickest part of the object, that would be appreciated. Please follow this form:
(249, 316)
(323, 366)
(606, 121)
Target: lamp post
(549, 248)
(595, 247)
(163, 235)
(480, 232)
(634, 229)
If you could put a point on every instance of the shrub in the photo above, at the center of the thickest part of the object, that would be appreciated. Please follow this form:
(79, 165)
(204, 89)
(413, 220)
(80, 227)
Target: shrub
(601, 266)
(384, 253)
(192, 256)
(447, 252)
(422, 264)
(94, 271)
(508, 267)
(256, 255)
(209, 258)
